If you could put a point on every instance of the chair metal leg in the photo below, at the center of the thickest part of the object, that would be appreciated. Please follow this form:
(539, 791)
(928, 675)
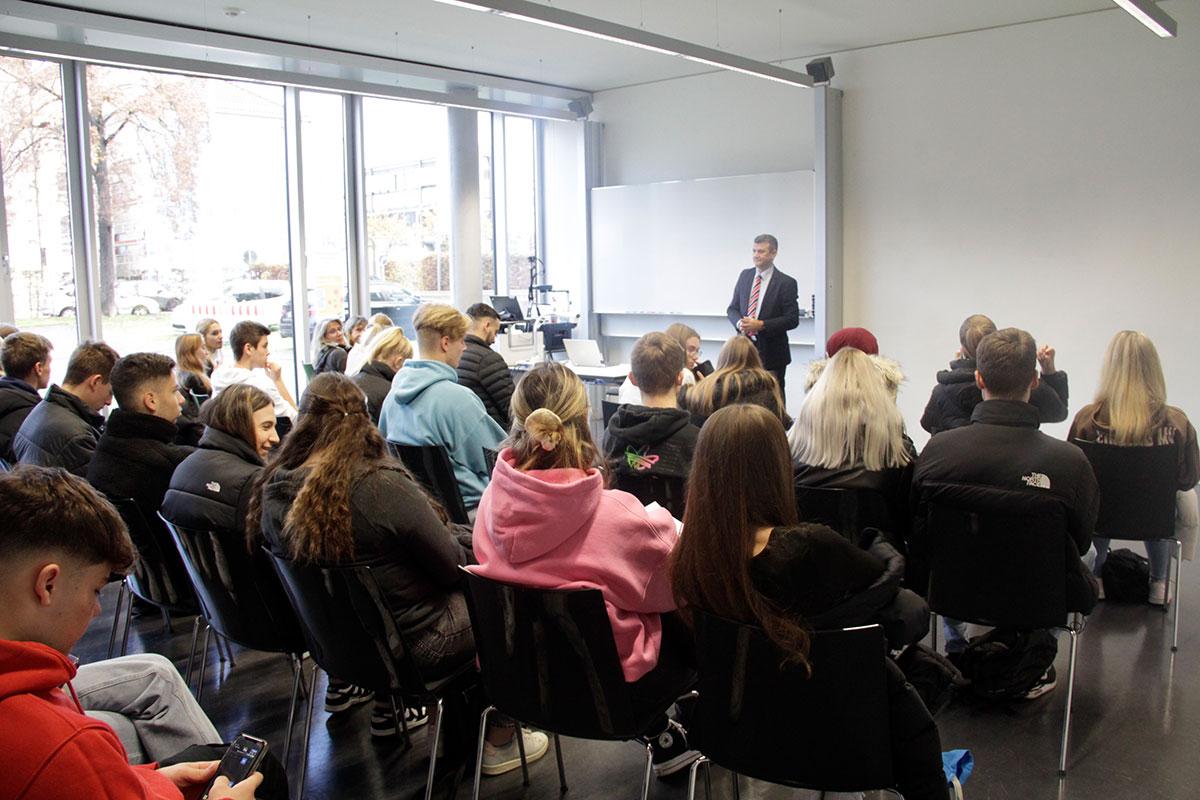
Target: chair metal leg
(312, 692)
(1175, 598)
(691, 792)
(520, 734)
(933, 618)
(648, 770)
(479, 750)
(437, 738)
(562, 773)
(128, 619)
(737, 791)
(397, 718)
(297, 672)
(112, 637)
(708, 780)
(167, 628)
(1066, 729)
(203, 662)
(192, 650)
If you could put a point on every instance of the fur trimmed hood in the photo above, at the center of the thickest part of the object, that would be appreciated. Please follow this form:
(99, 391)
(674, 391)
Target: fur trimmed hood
(890, 370)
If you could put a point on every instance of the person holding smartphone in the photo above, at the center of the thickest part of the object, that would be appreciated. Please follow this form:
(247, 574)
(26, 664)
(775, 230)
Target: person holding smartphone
(60, 545)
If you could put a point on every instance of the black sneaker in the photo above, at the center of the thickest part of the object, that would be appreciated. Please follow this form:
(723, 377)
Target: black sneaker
(345, 696)
(383, 721)
(671, 752)
(1044, 685)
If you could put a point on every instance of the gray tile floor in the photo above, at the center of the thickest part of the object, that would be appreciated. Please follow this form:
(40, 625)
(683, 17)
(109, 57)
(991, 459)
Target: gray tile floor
(1136, 729)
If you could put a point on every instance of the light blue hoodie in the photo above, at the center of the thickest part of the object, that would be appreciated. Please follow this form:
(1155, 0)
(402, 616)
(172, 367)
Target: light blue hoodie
(427, 406)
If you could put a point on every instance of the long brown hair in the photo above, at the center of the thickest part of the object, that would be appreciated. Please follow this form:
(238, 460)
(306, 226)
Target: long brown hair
(741, 482)
(728, 386)
(187, 357)
(232, 411)
(550, 421)
(334, 426)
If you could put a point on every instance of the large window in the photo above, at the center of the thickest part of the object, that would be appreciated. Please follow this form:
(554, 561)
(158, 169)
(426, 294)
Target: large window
(487, 206)
(39, 284)
(189, 182)
(520, 200)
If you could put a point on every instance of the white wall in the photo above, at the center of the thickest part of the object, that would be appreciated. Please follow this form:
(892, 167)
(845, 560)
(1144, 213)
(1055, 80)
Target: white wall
(1045, 174)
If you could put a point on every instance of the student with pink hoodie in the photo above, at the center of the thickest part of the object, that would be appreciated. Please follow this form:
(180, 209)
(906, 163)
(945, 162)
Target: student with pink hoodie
(546, 519)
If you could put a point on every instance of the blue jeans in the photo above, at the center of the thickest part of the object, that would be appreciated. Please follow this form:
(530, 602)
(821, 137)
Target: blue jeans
(955, 630)
(1157, 550)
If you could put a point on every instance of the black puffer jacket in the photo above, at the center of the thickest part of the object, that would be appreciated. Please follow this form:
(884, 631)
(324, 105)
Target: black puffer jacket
(484, 371)
(332, 358)
(829, 583)
(375, 379)
(211, 488)
(956, 395)
(414, 554)
(1002, 458)
(60, 432)
(650, 441)
(17, 399)
(135, 457)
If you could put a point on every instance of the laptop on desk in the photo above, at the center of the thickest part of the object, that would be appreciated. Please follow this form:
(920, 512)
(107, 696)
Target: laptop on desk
(583, 352)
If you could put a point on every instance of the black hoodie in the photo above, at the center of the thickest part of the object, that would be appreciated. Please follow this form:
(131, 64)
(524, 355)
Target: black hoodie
(650, 441)
(956, 395)
(17, 399)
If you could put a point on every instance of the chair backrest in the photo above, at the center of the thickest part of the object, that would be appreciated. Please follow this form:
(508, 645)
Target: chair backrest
(5, 466)
(1137, 489)
(827, 732)
(159, 576)
(489, 457)
(607, 409)
(548, 658)
(239, 591)
(430, 464)
(847, 511)
(668, 492)
(997, 558)
(350, 631)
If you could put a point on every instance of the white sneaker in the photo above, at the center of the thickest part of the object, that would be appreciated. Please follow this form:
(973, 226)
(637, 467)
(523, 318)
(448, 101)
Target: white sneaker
(1158, 593)
(498, 760)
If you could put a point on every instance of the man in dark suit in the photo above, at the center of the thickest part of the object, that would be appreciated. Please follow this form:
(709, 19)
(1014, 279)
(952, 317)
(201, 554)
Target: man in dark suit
(764, 307)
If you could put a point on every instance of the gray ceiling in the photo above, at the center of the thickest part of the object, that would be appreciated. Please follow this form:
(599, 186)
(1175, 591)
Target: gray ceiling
(430, 32)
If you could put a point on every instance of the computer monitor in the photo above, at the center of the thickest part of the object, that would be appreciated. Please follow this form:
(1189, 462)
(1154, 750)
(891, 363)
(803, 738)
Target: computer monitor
(508, 308)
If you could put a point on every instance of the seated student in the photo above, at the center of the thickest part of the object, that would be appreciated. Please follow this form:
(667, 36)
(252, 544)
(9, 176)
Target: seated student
(6, 330)
(214, 341)
(333, 495)
(190, 357)
(211, 488)
(328, 350)
(59, 546)
(361, 349)
(850, 435)
(26, 361)
(743, 556)
(1000, 453)
(546, 520)
(388, 352)
(860, 339)
(355, 327)
(427, 405)
(655, 437)
(956, 395)
(481, 369)
(693, 370)
(1131, 410)
(250, 343)
(62, 429)
(136, 454)
(739, 378)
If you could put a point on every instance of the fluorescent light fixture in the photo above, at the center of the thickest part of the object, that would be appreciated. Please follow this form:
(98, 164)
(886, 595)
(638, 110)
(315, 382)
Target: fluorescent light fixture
(1149, 14)
(560, 19)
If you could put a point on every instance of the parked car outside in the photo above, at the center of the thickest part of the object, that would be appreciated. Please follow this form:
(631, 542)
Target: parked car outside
(386, 298)
(245, 299)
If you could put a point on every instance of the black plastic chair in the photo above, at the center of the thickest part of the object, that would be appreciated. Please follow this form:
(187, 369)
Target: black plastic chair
(158, 576)
(489, 457)
(241, 598)
(5, 466)
(1002, 561)
(607, 409)
(668, 492)
(847, 511)
(548, 658)
(352, 635)
(1137, 500)
(746, 718)
(430, 464)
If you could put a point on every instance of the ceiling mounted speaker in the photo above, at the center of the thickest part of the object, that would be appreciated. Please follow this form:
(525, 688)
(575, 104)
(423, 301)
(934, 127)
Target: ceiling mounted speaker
(820, 69)
(580, 107)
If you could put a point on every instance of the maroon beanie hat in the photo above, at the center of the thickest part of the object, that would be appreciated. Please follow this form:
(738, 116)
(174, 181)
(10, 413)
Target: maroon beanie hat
(858, 338)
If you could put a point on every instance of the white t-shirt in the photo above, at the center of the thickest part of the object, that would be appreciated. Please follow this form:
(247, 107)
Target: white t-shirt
(628, 393)
(227, 375)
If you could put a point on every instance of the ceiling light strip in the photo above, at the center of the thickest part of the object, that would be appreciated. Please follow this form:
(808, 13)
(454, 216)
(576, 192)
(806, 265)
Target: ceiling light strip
(560, 19)
(1149, 14)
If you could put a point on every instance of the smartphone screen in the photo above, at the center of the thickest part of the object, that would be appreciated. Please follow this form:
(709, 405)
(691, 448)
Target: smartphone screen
(240, 760)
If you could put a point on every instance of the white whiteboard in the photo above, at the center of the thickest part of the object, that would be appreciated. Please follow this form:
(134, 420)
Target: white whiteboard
(677, 247)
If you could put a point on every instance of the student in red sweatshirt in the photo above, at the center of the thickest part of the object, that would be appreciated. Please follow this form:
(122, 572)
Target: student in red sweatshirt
(59, 546)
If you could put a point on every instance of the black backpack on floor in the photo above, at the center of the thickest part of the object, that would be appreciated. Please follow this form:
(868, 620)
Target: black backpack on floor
(1126, 577)
(1004, 664)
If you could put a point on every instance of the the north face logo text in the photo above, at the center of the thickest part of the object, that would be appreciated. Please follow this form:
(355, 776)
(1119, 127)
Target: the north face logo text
(1037, 480)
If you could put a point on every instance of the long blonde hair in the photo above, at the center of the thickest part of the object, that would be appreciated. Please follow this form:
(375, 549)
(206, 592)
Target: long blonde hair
(849, 418)
(1133, 392)
(550, 421)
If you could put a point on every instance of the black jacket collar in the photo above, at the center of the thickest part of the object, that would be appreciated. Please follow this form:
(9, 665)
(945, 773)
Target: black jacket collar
(1014, 413)
(61, 397)
(130, 425)
(379, 369)
(18, 384)
(214, 439)
(473, 339)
